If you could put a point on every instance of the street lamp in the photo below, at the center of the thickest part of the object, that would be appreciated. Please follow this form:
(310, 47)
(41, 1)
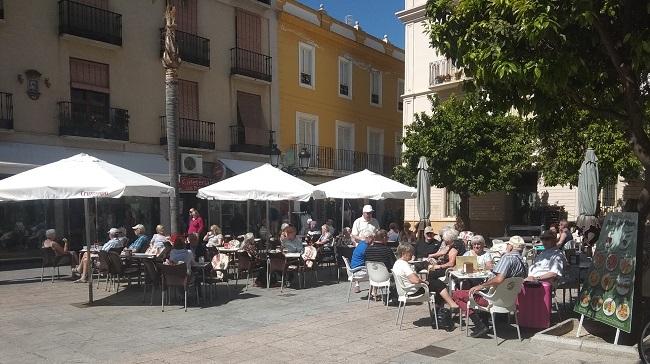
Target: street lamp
(304, 158)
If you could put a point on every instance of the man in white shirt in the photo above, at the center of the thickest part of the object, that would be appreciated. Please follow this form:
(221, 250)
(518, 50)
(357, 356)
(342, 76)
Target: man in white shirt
(549, 263)
(365, 222)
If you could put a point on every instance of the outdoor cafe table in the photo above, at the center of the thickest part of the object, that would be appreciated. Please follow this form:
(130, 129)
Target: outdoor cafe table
(461, 276)
(287, 256)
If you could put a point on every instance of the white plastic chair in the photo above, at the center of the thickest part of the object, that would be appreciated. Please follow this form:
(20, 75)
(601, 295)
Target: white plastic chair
(406, 296)
(358, 274)
(502, 299)
(379, 277)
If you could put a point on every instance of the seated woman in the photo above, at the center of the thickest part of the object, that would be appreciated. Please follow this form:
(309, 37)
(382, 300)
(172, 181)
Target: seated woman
(289, 241)
(60, 247)
(214, 238)
(344, 239)
(408, 278)
(180, 253)
(407, 235)
(446, 258)
(325, 235)
(393, 232)
(484, 257)
(159, 238)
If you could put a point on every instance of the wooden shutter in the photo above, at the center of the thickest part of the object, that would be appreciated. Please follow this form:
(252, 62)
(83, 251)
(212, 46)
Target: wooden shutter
(249, 110)
(249, 31)
(89, 75)
(186, 15)
(188, 99)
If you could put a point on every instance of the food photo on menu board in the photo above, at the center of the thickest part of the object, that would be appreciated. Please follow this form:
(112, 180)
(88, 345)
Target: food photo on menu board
(607, 294)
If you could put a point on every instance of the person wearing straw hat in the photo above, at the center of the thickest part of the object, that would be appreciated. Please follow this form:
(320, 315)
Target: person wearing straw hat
(365, 222)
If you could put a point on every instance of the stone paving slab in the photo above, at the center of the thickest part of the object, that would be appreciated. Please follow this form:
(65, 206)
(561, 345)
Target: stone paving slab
(49, 323)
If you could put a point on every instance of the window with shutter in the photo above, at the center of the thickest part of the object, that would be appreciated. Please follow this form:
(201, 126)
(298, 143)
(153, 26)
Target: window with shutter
(375, 87)
(345, 146)
(345, 77)
(188, 99)
(452, 205)
(375, 149)
(186, 15)
(306, 61)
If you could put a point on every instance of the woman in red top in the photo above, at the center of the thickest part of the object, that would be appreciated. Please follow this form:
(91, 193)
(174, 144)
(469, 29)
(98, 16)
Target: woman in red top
(196, 224)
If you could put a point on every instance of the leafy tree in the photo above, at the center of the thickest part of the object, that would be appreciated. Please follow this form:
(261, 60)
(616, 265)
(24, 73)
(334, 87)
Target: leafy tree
(552, 59)
(471, 149)
(562, 149)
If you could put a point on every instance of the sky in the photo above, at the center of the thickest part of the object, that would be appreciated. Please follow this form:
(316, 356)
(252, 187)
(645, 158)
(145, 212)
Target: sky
(376, 17)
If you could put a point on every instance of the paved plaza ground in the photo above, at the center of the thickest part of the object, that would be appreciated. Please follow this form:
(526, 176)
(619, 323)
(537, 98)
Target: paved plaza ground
(50, 323)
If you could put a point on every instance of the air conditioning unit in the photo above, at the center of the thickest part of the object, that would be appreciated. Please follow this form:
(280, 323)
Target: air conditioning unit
(191, 163)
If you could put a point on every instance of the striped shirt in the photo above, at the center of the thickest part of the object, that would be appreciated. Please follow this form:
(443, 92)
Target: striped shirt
(511, 265)
(380, 253)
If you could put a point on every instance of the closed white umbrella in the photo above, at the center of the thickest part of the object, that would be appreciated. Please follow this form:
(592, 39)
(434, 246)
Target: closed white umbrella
(80, 176)
(264, 183)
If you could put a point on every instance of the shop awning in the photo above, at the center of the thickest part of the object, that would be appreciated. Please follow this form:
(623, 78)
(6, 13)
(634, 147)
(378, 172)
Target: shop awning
(239, 166)
(19, 157)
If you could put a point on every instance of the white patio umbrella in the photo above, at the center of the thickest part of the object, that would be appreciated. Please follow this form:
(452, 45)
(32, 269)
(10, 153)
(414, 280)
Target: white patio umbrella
(264, 183)
(80, 176)
(364, 184)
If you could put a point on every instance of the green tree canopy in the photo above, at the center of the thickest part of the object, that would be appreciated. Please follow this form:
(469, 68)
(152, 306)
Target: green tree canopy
(577, 67)
(471, 150)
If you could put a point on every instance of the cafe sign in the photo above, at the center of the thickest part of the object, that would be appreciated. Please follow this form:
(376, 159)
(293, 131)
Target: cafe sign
(192, 183)
(608, 293)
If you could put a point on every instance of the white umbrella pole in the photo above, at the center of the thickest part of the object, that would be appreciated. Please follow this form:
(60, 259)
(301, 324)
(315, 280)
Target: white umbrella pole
(88, 238)
(248, 216)
(268, 222)
(342, 214)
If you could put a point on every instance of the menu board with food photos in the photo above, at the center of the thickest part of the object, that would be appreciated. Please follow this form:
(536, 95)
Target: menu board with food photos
(607, 293)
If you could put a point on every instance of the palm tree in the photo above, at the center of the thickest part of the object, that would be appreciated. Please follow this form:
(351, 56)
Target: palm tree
(171, 61)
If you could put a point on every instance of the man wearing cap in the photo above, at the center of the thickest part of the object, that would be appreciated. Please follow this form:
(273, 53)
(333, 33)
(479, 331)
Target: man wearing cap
(510, 265)
(549, 263)
(427, 246)
(113, 242)
(365, 222)
(139, 245)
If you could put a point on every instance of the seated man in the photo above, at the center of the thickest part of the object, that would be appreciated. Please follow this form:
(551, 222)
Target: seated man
(197, 247)
(139, 245)
(379, 251)
(428, 246)
(358, 258)
(548, 265)
(511, 265)
(113, 242)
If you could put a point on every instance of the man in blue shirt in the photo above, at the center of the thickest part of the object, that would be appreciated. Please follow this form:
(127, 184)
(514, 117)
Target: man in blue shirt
(358, 258)
(139, 245)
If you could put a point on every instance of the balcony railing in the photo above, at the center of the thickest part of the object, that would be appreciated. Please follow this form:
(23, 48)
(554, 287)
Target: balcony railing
(250, 140)
(191, 133)
(443, 71)
(251, 64)
(90, 22)
(346, 160)
(6, 111)
(191, 47)
(93, 121)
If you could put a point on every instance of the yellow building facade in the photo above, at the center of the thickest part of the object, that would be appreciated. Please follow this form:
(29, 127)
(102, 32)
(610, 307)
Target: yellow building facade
(339, 95)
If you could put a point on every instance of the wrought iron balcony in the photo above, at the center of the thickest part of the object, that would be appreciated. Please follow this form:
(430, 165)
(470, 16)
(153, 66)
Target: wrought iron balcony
(346, 160)
(92, 121)
(6, 111)
(191, 133)
(250, 140)
(191, 47)
(444, 71)
(251, 64)
(90, 22)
